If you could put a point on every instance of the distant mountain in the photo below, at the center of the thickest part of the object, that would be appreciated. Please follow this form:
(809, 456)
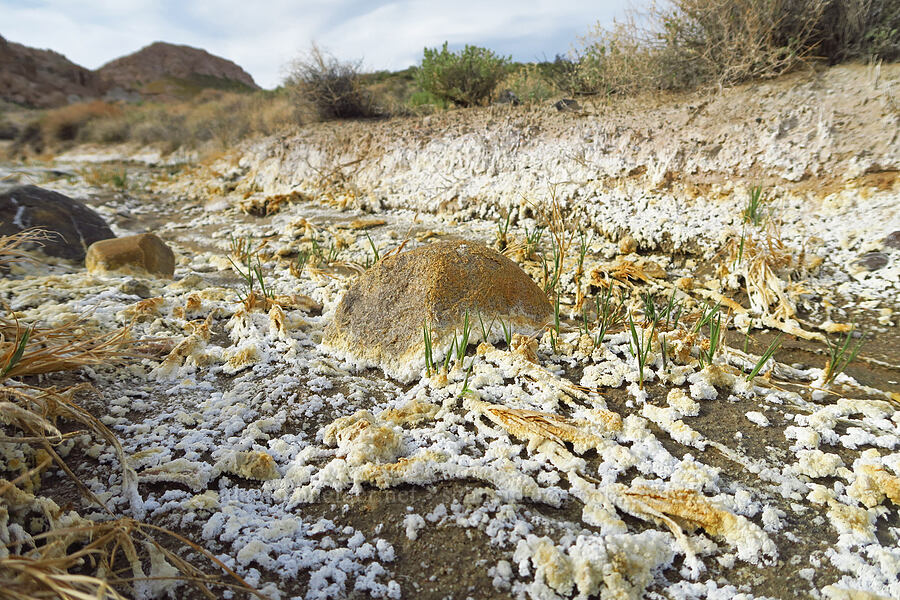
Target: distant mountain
(46, 79)
(161, 61)
(43, 78)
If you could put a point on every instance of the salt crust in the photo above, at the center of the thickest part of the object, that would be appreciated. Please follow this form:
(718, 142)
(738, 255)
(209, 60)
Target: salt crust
(621, 565)
(187, 414)
(815, 463)
(754, 416)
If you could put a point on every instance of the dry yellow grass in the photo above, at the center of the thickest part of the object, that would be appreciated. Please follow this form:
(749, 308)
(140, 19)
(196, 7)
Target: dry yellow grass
(72, 557)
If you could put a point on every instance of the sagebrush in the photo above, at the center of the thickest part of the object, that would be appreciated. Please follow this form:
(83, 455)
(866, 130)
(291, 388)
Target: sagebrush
(465, 78)
(325, 88)
(683, 44)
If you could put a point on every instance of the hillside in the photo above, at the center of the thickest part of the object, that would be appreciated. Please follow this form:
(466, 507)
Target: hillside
(43, 78)
(46, 79)
(161, 60)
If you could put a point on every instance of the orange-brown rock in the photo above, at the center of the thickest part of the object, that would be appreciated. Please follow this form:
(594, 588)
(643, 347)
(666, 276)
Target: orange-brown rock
(381, 317)
(145, 252)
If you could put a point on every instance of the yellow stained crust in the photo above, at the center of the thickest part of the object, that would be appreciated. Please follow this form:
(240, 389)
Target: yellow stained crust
(537, 427)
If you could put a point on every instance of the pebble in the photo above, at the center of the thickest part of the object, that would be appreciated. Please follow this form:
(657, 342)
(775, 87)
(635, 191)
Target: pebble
(872, 261)
(892, 240)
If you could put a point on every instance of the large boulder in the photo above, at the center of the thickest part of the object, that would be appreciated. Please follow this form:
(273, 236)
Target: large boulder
(380, 319)
(76, 226)
(142, 253)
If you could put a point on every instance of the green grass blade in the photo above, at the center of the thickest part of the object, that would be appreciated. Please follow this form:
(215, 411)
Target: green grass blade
(769, 353)
(19, 352)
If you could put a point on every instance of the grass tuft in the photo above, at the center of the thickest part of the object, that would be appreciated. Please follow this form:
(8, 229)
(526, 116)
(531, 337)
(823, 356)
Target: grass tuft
(252, 276)
(507, 332)
(753, 211)
(486, 331)
(503, 231)
(708, 355)
(376, 255)
(640, 347)
(840, 355)
(608, 314)
(430, 367)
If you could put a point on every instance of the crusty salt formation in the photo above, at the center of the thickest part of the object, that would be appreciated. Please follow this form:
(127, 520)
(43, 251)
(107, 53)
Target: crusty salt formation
(381, 317)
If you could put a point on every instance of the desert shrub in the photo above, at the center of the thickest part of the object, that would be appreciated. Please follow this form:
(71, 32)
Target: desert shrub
(63, 124)
(8, 131)
(421, 98)
(159, 125)
(617, 61)
(529, 83)
(325, 88)
(683, 44)
(212, 119)
(860, 29)
(466, 78)
(108, 130)
(396, 93)
(730, 42)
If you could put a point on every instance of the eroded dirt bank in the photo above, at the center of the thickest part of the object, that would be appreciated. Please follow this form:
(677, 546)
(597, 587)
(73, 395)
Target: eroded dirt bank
(554, 467)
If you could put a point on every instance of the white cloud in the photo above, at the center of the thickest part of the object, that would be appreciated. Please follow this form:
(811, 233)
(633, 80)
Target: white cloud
(263, 36)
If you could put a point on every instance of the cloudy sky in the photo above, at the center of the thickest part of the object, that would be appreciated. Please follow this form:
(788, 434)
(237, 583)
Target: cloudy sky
(263, 36)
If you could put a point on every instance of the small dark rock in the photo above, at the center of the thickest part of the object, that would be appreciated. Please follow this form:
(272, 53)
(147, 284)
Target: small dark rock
(567, 105)
(872, 261)
(893, 239)
(508, 97)
(77, 226)
(135, 287)
(8, 131)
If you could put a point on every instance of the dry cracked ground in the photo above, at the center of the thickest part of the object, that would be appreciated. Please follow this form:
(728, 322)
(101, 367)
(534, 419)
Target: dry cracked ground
(643, 460)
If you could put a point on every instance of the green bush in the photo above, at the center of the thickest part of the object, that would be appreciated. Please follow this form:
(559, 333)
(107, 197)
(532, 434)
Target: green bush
(423, 98)
(860, 29)
(466, 78)
(325, 88)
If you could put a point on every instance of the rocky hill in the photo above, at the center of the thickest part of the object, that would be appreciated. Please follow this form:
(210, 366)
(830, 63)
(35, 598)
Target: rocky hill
(43, 78)
(46, 79)
(161, 60)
